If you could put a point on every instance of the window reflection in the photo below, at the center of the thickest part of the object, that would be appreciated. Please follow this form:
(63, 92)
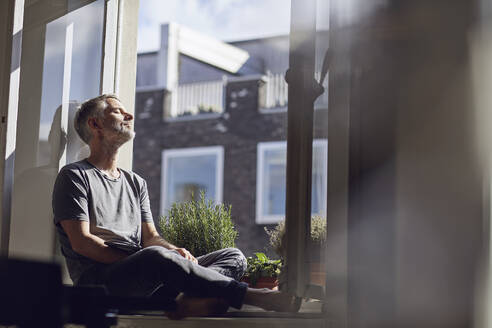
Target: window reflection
(85, 70)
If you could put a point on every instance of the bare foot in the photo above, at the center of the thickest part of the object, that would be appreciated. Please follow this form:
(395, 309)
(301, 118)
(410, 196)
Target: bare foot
(197, 307)
(272, 300)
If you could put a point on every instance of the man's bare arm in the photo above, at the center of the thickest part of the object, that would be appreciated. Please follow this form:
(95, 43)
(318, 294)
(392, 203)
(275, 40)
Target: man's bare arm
(150, 237)
(89, 245)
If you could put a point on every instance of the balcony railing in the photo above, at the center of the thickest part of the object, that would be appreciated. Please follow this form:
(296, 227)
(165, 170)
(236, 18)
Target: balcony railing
(198, 98)
(275, 92)
(208, 97)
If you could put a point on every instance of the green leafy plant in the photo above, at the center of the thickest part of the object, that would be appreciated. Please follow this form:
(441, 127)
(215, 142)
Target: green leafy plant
(200, 226)
(317, 237)
(262, 266)
(275, 235)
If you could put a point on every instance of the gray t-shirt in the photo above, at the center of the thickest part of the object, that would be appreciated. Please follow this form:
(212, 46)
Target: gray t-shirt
(114, 208)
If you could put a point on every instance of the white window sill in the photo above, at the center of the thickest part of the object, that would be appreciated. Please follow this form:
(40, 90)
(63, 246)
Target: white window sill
(276, 110)
(309, 316)
(273, 110)
(269, 219)
(204, 116)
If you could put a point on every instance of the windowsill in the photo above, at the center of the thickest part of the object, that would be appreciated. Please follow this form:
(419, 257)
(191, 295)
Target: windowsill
(310, 315)
(214, 322)
(283, 109)
(273, 110)
(273, 219)
(205, 116)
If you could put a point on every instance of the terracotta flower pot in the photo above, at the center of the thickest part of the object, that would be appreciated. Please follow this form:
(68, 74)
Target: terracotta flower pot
(318, 274)
(262, 282)
(317, 264)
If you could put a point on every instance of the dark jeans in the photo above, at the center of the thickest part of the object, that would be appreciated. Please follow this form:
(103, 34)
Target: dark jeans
(158, 272)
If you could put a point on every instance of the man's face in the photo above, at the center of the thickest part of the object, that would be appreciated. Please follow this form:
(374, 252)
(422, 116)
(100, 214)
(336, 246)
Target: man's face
(117, 122)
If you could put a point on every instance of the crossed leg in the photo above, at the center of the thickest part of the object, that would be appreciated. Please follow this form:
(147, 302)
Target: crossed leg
(207, 288)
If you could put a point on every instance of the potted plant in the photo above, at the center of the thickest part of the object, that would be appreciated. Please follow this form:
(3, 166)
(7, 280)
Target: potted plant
(200, 226)
(262, 272)
(316, 246)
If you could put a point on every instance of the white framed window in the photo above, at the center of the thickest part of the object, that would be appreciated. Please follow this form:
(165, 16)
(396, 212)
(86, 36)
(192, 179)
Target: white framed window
(188, 171)
(271, 177)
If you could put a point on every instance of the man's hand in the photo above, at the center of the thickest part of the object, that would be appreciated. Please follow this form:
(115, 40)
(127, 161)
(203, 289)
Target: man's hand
(150, 237)
(186, 254)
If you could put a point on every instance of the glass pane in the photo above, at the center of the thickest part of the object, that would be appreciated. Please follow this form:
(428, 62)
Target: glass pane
(187, 176)
(60, 67)
(207, 94)
(85, 27)
(274, 178)
(274, 173)
(319, 182)
(316, 241)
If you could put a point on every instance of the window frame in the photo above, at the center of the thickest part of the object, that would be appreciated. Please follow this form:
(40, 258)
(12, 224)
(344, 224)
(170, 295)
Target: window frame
(118, 68)
(189, 152)
(260, 218)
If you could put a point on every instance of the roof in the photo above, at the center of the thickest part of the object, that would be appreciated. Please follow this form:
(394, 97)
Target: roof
(265, 54)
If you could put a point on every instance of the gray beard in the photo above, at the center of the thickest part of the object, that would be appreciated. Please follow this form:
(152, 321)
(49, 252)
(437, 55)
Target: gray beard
(123, 133)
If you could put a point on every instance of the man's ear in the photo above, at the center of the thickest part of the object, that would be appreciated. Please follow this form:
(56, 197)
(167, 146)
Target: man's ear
(93, 123)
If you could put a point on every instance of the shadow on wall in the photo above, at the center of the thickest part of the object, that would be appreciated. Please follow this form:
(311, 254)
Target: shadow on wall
(32, 215)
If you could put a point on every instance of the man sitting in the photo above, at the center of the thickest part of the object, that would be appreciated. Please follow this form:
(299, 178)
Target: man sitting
(107, 235)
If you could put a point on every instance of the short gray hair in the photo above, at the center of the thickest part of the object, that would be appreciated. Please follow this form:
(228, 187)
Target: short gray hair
(91, 108)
